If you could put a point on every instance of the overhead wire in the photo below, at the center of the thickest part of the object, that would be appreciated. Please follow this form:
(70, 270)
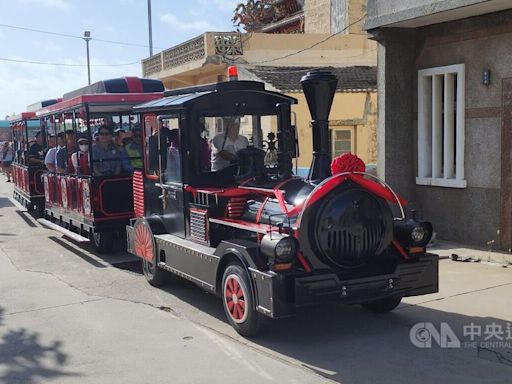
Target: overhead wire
(75, 36)
(66, 64)
(303, 49)
(142, 45)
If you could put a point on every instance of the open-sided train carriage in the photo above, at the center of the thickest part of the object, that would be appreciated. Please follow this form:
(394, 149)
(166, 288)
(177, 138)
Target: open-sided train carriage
(242, 226)
(82, 201)
(27, 166)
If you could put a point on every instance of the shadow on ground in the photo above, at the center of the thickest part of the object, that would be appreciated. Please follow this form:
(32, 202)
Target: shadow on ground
(24, 358)
(5, 202)
(350, 345)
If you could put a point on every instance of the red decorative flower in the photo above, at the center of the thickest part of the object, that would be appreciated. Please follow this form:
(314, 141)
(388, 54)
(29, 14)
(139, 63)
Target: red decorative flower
(347, 162)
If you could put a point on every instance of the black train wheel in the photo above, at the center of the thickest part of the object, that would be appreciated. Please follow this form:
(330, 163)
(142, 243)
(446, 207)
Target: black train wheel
(144, 245)
(103, 241)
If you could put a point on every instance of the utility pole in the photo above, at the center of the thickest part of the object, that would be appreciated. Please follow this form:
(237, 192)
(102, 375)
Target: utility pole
(150, 29)
(87, 38)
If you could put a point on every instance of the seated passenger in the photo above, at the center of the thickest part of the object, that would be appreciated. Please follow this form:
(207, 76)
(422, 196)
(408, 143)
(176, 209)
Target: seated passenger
(119, 142)
(119, 135)
(35, 152)
(226, 145)
(105, 155)
(80, 159)
(55, 143)
(63, 155)
(134, 150)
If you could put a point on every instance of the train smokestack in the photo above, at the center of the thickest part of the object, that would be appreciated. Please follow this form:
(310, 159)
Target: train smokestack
(319, 87)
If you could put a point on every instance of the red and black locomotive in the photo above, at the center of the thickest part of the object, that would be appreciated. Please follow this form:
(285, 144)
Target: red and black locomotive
(242, 226)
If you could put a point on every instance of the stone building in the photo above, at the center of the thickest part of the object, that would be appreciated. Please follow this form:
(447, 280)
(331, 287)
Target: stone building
(445, 112)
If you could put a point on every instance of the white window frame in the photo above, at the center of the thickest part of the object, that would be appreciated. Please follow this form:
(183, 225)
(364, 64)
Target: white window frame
(352, 137)
(431, 125)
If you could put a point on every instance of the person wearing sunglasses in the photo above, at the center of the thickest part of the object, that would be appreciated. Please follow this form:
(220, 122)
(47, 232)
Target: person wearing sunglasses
(105, 155)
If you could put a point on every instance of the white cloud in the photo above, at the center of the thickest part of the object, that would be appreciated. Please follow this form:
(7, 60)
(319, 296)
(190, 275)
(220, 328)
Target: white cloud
(196, 25)
(55, 4)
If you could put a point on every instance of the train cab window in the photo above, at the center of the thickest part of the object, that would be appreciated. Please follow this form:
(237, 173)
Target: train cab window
(226, 136)
(170, 137)
(165, 129)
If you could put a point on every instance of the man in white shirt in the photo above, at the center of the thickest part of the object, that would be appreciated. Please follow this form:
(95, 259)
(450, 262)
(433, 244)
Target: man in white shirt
(226, 145)
(50, 158)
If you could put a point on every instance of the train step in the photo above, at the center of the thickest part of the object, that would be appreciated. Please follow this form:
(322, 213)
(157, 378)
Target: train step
(72, 235)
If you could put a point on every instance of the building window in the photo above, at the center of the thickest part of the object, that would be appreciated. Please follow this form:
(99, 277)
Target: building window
(441, 126)
(342, 142)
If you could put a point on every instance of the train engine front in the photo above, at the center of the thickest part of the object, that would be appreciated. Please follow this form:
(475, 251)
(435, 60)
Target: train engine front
(335, 235)
(262, 239)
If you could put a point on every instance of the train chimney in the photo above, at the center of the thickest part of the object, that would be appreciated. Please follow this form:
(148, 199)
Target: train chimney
(319, 87)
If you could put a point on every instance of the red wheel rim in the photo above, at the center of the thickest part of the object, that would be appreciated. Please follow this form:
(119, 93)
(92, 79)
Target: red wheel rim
(143, 242)
(235, 299)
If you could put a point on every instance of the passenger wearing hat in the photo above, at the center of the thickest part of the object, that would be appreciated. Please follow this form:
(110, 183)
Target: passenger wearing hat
(80, 159)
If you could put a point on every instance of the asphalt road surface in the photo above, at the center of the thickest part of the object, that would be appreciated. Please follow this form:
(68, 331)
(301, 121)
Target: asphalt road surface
(68, 315)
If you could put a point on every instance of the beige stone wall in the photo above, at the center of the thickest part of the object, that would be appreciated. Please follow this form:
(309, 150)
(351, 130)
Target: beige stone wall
(356, 11)
(354, 111)
(317, 16)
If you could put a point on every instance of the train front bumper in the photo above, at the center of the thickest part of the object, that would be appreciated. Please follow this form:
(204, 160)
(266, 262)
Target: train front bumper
(279, 295)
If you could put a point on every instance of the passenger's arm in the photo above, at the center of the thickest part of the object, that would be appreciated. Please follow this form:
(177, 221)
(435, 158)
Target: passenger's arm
(96, 171)
(61, 160)
(49, 160)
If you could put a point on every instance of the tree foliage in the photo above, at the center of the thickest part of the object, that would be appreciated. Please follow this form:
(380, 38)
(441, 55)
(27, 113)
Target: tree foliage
(252, 14)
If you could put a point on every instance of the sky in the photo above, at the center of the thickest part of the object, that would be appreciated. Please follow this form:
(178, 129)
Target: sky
(126, 21)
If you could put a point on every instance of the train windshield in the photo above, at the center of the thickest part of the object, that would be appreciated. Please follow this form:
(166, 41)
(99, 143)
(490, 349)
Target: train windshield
(222, 137)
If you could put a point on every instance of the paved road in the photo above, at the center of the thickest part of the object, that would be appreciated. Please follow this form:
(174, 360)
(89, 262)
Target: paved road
(68, 315)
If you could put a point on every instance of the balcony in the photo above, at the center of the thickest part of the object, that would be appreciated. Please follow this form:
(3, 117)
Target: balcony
(205, 58)
(194, 52)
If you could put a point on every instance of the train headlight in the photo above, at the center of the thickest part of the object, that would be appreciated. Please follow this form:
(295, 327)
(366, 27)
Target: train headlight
(418, 234)
(279, 248)
(413, 233)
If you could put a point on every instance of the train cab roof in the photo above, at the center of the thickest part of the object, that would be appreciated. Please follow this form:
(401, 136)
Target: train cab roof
(252, 93)
(108, 96)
